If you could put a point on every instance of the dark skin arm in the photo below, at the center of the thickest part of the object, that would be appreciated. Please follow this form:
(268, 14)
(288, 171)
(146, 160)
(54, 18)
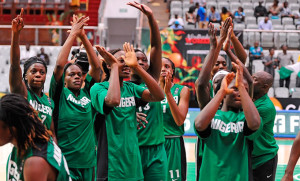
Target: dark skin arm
(294, 156)
(238, 48)
(52, 129)
(62, 58)
(204, 118)
(16, 82)
(113, 96)
(155, 40)
(38, 169)
(179, 111)
(154, 93)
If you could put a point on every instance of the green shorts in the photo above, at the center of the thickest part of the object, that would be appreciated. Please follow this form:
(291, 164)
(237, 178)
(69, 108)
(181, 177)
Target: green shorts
(82, 174)
(154, 162)
(176, 158)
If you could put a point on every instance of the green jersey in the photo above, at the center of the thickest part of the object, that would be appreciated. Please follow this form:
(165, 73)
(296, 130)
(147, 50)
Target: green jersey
(265, 147)
(124, 162)
(75, 126)
(44, 105)
(170, 127)
(49, 151)
(225, 155)
(153, 134)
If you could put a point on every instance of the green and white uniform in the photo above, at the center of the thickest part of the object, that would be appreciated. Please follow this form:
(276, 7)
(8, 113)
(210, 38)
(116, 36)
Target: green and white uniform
(44, 105)
(174, 144)
(225, 155)
(124, 161)
(151, 142)
(49, 151)
(265, 147)
(75, 126)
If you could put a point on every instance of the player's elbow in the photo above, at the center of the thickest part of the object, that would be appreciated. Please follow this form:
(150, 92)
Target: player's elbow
(254, 125)
(199, 125)
(112, 102)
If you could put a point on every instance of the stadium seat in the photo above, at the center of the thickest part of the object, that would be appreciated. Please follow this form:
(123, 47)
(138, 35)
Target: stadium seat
(294, 7)
(253, 36)
(290, 27)
(293, 40)
(276, 21)
(223, 1)
(176, 4)
(277, 27)
(177, 11)
(279, 39)
(257, 65)
(267, 39)
(287, 21)
(249, 12)
(234, 0)
(186, 4)
(296, 95)
(268, 5)
(250, 20)
(187, 26)
(184, 11)
(271, 92)
(234, 6)
(292, 1)
(223, 4)
(281, 92)
(255, 1)
(259, 19)
(209, 4)
(247, 5)
(239, 26)
(254, 4)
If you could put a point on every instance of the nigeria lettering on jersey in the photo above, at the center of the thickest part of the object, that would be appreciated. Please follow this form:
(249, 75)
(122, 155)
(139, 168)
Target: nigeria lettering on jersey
(227, 128)
(41, 107)
(83, 101)
(165, 101)
(13, 171)
(127, 102)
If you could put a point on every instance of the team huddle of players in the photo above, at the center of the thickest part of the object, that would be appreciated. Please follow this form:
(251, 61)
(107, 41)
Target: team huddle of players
(96, 126)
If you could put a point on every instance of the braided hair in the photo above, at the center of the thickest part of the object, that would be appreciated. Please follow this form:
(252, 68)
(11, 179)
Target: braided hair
(16, 112)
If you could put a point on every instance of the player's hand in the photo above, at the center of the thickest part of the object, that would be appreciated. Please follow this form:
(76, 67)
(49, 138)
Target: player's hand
(18, 23)
(226, 44)
(130, 57)
(224, 29)
(168, 82)
(77, 25)
(141, 119)
(212, 35)
(225, 82)
(108, 58)
(142, 7)
(239, 83)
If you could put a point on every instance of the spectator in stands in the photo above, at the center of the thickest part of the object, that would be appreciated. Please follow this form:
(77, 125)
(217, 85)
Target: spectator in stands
(239, 15)
(270, 62)
(256, 52)
(297, 19)
(225, 14)
(285, 59)
(260, 10)
(176, 25)
(176, 18)
(274, 10)
(200, 2)
(214, 16)
(285, 11)
(26, 54)
(201, 17)
(44, 56)
(265, 24)
(190, 17)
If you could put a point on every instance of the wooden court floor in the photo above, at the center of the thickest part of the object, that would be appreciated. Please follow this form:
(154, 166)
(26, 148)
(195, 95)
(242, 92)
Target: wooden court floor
(283, 155)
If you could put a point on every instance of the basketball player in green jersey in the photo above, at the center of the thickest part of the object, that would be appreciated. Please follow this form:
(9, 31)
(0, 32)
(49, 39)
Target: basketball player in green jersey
(117, 100)
(151, 137)
(226, 132)
(34, 156)
(73, 112)
(34, 77)
(264, 154)
(175, 108)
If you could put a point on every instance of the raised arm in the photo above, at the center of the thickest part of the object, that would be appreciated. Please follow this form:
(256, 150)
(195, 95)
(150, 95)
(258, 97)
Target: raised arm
(155, 41)
(113, 96)
(62, 59)
(294, 156)
(238, 48)
(95, 70)
(16, 83)
(204, 118)
(154, 93)
(179, 111)
(250, 111)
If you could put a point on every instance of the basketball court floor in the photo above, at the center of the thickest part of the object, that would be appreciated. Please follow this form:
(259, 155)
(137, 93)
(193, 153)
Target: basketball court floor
(285, 146)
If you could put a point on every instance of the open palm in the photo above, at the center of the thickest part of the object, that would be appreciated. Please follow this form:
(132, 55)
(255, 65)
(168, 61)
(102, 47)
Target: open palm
(142, 7)
(130, 57)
